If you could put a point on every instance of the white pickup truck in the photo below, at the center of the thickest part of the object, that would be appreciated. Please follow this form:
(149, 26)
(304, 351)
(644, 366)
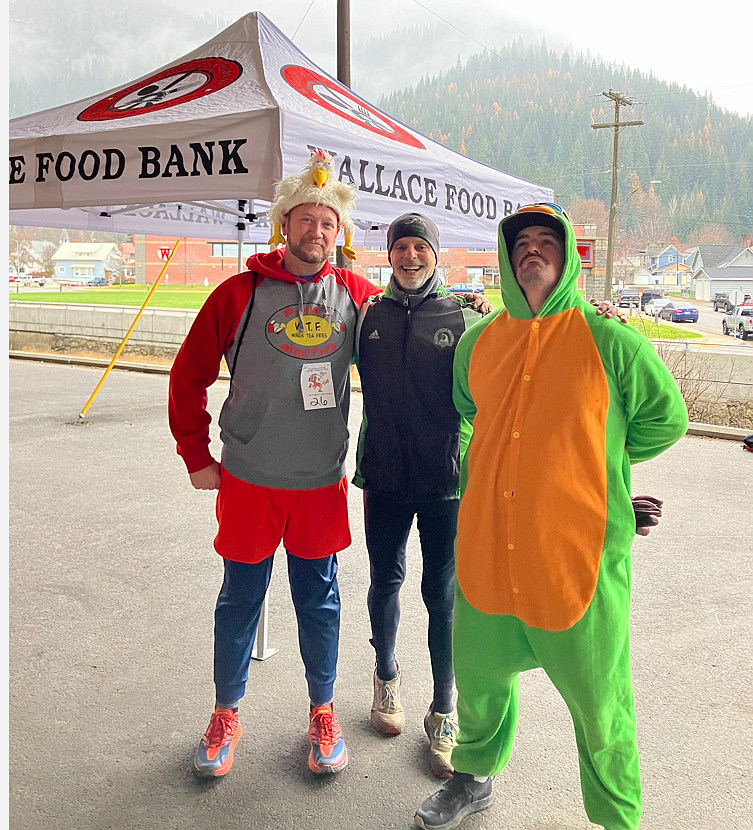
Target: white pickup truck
(739, 322)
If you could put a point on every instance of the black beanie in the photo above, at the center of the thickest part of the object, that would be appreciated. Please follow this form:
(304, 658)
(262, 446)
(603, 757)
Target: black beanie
(413, 224)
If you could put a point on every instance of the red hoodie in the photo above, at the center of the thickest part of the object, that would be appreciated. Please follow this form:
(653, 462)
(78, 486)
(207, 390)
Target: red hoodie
(215, 334)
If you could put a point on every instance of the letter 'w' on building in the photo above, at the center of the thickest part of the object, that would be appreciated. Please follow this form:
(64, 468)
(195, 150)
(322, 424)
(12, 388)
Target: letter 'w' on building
(164, 155)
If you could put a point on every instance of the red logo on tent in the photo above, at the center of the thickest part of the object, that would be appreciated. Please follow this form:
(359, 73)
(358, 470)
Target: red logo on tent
(177, 85)
(341, 101)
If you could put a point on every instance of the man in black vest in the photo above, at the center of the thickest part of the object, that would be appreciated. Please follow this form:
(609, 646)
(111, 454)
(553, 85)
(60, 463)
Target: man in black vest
(409, 465)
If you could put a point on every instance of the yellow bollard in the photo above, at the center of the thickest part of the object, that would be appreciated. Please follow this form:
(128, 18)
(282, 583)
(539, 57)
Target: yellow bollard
(128, 333)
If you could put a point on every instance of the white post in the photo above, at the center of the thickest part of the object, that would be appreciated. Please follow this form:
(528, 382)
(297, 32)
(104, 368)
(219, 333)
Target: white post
(261, 650)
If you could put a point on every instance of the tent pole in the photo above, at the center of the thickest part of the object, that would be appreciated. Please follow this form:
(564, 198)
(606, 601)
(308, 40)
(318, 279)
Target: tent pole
(241, 228)
(343, 75)
(128, 333)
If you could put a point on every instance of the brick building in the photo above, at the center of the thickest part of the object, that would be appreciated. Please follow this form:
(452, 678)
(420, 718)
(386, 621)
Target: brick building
(207, 262)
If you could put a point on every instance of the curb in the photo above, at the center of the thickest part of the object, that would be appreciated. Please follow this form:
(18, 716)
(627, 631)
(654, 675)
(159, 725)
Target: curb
(706, 430)
(712, 431)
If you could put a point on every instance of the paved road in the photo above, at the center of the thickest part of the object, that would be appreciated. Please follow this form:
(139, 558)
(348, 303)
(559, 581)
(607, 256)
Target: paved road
(710, 322)
(112, 585)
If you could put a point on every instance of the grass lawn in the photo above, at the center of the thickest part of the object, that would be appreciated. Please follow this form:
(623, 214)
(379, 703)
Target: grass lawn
(181, 296)
(124, 295)
(657, 331)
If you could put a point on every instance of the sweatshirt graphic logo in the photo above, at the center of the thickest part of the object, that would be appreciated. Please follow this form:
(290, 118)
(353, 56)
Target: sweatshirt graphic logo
(307, 332)
(374, 335)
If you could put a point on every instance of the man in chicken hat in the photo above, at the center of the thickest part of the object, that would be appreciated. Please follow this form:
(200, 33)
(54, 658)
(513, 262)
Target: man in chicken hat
(285, 328)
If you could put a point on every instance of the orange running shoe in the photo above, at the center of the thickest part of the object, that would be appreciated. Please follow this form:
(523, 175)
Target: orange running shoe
(328, 752)
(214, 754)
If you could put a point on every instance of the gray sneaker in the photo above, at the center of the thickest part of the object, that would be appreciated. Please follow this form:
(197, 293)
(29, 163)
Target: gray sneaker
(441, 731)
(387, 715)
(458, 798)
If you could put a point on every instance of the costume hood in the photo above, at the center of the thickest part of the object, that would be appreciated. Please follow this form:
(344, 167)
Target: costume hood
(565, 294)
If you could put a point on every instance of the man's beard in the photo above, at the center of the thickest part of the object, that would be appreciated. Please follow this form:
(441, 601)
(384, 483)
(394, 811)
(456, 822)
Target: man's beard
(313, 256)
(416, 279)
(532, 275)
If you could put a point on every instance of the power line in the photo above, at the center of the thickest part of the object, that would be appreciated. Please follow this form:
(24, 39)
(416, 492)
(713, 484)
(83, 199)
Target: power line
(302, 19)
(478, 43)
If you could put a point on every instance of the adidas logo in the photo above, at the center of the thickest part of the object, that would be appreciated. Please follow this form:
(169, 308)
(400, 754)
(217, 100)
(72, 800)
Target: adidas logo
(374, 335)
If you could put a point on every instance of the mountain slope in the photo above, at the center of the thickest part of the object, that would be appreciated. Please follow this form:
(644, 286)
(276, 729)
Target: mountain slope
(528, 110)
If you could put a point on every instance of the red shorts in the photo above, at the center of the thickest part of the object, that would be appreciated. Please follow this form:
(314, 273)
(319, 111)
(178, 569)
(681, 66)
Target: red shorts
(253, 520)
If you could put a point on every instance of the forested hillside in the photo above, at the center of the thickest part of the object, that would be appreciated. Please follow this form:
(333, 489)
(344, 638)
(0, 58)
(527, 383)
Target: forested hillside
(529, 109)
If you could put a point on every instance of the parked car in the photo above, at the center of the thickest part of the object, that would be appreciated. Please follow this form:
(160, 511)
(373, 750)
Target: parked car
(627, 297)
(727, 300)
(678, 311)
(466, 288)
(650, 294)
(653, 307)
(97, 281)
(739, 322)
(721, 301)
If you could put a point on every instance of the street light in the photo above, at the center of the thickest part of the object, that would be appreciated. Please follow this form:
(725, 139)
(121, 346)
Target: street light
(640, 187)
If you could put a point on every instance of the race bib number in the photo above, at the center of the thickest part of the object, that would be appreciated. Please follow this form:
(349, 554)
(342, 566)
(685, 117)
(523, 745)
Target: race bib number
(317, 387)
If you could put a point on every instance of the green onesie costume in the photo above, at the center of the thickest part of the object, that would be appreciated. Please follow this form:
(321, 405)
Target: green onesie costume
(561, 404)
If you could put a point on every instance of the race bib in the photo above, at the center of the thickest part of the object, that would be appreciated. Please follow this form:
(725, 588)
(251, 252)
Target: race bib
(317, 386)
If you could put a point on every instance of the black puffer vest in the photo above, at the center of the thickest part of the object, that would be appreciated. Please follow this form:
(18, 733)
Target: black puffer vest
(410, 438)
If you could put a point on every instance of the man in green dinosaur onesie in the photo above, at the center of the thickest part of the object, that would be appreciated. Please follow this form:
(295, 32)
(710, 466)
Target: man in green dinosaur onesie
(562, 403)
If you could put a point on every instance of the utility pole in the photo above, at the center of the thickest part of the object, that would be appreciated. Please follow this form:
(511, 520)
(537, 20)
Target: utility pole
(618, 101)
(343, 74)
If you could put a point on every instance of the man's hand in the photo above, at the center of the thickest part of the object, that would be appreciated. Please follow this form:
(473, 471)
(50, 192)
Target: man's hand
(608, 310)
(647, 511)
(207, 479)
(478, 302)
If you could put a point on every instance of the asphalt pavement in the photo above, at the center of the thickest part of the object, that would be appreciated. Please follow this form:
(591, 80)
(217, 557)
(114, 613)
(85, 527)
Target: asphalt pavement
(112, 586)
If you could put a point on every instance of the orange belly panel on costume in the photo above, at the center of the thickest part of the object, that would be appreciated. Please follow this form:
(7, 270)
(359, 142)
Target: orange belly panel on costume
(533, 514)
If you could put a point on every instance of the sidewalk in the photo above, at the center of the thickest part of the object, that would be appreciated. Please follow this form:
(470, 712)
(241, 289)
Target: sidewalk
(112, 587)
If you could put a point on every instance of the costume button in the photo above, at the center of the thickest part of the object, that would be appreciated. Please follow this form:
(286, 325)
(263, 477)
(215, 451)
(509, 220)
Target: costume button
(505, 494)
(526, 377)
(516, 435)
(536, 325)
(511, 546)
(516, 590)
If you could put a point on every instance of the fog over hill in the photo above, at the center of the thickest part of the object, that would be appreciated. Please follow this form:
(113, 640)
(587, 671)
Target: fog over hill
(65, 50)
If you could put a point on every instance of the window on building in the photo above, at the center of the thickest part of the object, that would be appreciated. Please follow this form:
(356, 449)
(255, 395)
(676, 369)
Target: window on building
(82, 271)
(481, 250)
(475, 274)
(229, 250)
(375, 249)
(670, 258)
(61, 269)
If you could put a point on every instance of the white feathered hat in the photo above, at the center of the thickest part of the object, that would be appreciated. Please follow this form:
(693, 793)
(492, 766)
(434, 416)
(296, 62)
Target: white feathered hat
(315, 185)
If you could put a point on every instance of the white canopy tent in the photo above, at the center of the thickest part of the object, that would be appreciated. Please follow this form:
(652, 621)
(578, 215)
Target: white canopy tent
(194, 150)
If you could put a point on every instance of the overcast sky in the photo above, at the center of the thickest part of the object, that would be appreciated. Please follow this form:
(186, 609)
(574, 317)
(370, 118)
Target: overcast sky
(706, 47)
